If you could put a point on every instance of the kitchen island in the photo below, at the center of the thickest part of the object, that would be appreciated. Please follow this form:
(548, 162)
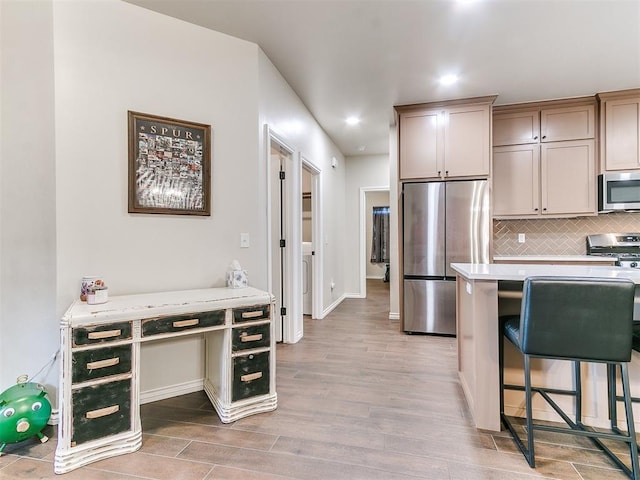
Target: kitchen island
(486, 291)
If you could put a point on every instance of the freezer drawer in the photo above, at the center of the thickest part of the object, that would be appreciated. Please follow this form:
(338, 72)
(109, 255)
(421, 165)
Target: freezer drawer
(430, 306)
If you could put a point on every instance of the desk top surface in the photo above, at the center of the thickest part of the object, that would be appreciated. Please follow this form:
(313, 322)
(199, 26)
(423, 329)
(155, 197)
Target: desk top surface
(518, 272)
(133, 307)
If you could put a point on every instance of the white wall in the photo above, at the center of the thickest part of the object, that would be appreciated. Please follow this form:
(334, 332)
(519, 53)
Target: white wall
(28, 319)
(63, 203)
(112, 57)
(363, 171)
(283, 111)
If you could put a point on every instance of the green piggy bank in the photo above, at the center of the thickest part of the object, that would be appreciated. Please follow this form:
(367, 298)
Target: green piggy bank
(24, 412)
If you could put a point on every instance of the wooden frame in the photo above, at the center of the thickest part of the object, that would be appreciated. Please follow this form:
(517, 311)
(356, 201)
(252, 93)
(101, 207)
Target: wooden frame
(169, 166)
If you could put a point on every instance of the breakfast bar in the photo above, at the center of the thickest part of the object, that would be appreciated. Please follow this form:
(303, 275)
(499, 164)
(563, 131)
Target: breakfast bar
(486, 291)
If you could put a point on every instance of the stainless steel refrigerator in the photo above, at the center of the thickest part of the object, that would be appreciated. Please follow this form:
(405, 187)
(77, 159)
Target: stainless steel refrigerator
(443, 223)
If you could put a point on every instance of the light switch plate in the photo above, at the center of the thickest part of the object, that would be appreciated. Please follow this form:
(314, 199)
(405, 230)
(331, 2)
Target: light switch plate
(244, 240)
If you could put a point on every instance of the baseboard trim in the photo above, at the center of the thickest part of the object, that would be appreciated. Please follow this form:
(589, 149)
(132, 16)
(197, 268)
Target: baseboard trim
(171, 391)
(331, 307)
(354, 295)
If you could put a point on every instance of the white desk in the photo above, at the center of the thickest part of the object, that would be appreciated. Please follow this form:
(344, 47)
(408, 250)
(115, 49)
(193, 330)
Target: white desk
(477, 329)
(99, 397)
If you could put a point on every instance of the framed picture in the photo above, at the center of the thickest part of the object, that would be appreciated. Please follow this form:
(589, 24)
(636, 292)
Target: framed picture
(169, 166)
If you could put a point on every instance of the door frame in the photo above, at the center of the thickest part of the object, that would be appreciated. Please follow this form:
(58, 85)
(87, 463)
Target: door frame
(292, 325)
(363, 234)
(316, 235)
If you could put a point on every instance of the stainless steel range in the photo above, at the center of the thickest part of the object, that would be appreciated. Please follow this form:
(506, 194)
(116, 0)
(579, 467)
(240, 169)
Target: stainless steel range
(625, 247)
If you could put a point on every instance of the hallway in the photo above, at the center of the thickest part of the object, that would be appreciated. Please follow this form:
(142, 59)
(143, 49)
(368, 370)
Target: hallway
(358, 399)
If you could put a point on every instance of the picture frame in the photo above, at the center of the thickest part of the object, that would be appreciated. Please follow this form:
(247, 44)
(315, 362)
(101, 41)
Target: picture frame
(169, 165)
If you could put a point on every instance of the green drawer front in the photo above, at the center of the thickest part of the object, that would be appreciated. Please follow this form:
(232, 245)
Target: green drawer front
(250, 376)
(101, 333)
(100, 362)
(249, 314)
(177, 323)
(100, 411)
(255, 336)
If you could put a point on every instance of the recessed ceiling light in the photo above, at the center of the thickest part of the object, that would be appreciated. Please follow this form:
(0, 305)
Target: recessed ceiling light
(353, 120)
(362, 148)
(448, 79)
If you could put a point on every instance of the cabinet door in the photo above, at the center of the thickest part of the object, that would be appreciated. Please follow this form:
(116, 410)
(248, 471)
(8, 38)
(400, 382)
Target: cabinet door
(516, 128)
(568, 178)
(516, 182)
(467, 141)
(420, 149)
(622, 134)
(568, 123)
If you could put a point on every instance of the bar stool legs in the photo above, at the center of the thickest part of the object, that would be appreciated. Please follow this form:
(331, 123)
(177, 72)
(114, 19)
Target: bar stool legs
(576, 426)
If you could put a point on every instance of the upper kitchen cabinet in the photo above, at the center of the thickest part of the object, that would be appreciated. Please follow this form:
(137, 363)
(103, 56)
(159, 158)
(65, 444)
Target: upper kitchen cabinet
(544, 164)
(620, 130)
(445, 140)
(544, 122)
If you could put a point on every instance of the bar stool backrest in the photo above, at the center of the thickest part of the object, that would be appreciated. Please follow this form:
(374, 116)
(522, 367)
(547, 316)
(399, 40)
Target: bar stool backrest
(577, 318)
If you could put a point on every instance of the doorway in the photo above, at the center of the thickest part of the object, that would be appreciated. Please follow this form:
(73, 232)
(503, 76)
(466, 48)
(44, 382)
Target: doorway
(284, 237)
(311, 245)
(370, 197)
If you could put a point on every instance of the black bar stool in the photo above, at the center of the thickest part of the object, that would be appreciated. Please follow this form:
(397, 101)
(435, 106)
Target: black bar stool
(581, 320)
(612, 381)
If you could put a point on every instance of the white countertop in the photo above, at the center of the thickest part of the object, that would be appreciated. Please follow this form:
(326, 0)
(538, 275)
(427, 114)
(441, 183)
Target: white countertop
(553, 258)
(518, 272)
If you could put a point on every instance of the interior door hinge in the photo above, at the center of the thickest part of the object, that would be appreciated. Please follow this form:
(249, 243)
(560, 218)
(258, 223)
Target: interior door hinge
(281, 174)
(283, 311)
(283, 243)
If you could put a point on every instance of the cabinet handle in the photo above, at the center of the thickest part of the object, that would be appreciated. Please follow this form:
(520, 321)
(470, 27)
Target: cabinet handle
(536, 137)
(186, 323)
(535, 209)
(109, 362)
(251, 376)
(544, 136)
(250, 338)
(446, 173)
(102, 412)
(544, 209)
(254, 314)
(439, 173)
(104, 334)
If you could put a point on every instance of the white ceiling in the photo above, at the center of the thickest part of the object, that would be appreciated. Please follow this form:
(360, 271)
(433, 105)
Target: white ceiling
(362, 57)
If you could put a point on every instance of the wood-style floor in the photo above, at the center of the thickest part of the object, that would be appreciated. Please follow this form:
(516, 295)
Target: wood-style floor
(357, 399)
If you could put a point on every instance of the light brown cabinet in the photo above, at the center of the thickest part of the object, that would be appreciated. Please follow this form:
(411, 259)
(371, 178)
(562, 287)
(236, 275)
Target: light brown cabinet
(542, 125)
(445, 140)
(620, 130)
(545, 163)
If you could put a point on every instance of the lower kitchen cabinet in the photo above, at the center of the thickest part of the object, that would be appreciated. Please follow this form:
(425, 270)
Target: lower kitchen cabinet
(99, 398)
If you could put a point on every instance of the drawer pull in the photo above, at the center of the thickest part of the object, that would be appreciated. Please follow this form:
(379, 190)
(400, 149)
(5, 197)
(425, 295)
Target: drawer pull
(250, 338)
(104, 334)
(186, 323)
(251, 376)
(109, 362)
(103, 412)
(254, 314)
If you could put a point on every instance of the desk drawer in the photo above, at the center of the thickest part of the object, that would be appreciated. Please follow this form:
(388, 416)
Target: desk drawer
(255, 336)
(100, 411)
(100, 362)
(250, 376)
(250, 314)
(101, 333)
(178, 323)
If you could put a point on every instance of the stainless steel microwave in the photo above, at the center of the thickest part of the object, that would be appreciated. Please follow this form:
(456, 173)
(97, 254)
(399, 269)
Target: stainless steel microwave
(619, 191)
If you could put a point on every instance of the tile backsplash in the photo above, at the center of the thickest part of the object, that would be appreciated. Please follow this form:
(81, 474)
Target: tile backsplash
(562, 236)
